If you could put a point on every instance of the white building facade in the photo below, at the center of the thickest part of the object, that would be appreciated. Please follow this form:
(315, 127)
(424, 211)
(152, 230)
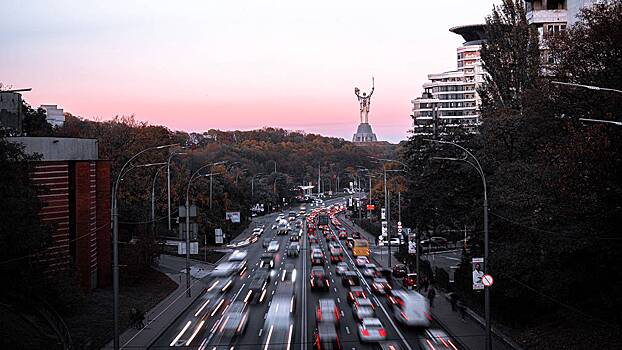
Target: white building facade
(450, 99)
(54, 115)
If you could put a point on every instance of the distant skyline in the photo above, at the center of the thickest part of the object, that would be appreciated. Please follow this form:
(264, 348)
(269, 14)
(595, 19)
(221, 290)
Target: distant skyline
(233, 65)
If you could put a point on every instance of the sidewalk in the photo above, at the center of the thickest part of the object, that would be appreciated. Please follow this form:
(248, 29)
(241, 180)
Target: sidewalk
(468, 332)
(158, 319)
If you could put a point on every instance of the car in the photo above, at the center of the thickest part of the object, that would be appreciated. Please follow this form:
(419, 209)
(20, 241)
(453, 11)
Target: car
(369, 270)
(273, 247)
(225, 269)
(341, 268)
(410, 281)
(331, 238)
(279, 322)
(363, 308)
(294, 237)
(361, 261)
(257, 231)
(325, 337)
(293, 249)
(318, 278)
(410, 308)
(399, 271)
(395, 242)
(437, 339)
(380, 286)
(273, 227)
(236, 319)
(289, 273)
(390, 345)
(371, 330)
(327, 311)
(312, 240)
(350, 278)
(356, 234)
(266, 242)
(342, 234)
(257, 287)
(349, 242)
(356, 292)
(238, 255)
(266, 261)
(317, 257)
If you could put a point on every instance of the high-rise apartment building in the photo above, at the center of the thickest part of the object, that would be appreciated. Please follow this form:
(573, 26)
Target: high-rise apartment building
(450, 98)
(54, 115)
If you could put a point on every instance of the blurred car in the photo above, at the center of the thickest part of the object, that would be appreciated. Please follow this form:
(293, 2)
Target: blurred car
(318, 278)
(410, 281)
(356, 234)
(369, 270)
(312, 240)
(371, 330)
(294, 237)
(238, 255)
(363, 308)
(266, 260)
(336, 254)
(386, 273)
(331, 238)
(317, 257)
(437, 339)
(289, 273)
(225, 269)
(399, 270)
(327, 311)
(279, 323)
(350, 278)
(236, 319)
(410, 308)
(394, 242)
(325, 337)
(388, 345)
(361, 261)
(257, 287)
(349, 242)
(342, 234)
(273, 247)
(341, 268)
(257, 231)
(293, 249)
(356, 292)
(266, 242)
(380, 286)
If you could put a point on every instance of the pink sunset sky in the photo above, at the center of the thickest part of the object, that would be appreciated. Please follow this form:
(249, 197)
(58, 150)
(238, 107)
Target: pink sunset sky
(196, 65)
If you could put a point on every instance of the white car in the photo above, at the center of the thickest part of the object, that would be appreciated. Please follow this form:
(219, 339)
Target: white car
(273, 247)
(257, 231)
(274, 227)
(395, 242)
(371, 330)
(361, 261)
(341, 268)
(410, 308)
(238, 255)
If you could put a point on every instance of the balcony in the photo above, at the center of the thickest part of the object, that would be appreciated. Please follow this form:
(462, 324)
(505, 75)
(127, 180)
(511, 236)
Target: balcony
(547, 16)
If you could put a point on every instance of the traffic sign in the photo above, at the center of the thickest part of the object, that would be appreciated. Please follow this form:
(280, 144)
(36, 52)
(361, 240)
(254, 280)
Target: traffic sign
(487, 280)
(371, 207)
(383, 214)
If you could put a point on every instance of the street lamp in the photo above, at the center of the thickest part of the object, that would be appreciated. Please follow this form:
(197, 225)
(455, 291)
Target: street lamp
(115, 239)
(478, 167)
(168, 184)
(193, 177)
(589, 87)
(387, 204)
(155, 177)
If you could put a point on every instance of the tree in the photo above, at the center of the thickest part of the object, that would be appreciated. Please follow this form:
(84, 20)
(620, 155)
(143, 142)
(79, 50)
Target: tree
(35, 123)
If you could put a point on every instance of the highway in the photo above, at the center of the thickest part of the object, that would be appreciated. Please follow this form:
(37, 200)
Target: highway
(201, 325)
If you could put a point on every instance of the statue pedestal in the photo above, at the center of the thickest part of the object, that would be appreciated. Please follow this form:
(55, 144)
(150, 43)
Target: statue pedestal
(364, 133)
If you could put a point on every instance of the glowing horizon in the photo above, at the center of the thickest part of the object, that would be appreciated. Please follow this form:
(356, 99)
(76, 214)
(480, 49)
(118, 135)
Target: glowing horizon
(234, 66)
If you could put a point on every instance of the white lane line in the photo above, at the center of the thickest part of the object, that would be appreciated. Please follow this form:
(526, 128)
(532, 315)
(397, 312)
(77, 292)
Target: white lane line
(347, 329)
(335, 289)
(260, 331)
(338, 300)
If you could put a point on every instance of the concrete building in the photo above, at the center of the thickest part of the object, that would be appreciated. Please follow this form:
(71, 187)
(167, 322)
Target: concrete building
(11, 112)
(75, 189)
(54, 115)
(450, 98)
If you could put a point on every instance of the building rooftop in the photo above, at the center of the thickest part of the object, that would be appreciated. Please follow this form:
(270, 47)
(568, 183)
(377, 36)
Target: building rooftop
(471, 32)
(59, 148)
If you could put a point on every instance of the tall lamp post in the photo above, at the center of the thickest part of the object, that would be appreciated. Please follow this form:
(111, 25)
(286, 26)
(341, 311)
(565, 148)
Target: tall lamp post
(155, 177)
(115, 240)
(168, 184)
(474, 162)
(193, 177)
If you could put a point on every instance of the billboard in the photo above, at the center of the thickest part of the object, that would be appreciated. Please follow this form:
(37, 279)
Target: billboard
(218, 238)
(478, 272)
(234, 216)
(384, 228)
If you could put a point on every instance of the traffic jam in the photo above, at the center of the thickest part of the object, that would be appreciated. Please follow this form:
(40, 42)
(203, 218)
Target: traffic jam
(306, 281)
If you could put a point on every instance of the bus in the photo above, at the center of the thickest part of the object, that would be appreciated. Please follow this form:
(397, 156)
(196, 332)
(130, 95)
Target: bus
(323, 220)
(360, 247)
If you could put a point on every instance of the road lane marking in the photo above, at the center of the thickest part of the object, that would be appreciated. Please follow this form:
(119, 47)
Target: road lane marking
(347, 329)
(338, 300)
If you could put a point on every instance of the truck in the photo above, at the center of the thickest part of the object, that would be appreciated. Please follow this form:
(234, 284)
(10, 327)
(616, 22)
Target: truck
(323, 220)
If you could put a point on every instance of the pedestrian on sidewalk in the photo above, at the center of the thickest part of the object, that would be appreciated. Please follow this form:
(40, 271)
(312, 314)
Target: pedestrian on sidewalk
(462, 309)
(133, 317)
(431, 296)
(425, 283)
(453, 299)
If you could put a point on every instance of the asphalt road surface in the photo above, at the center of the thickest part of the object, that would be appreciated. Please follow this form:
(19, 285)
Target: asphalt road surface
(200, 326)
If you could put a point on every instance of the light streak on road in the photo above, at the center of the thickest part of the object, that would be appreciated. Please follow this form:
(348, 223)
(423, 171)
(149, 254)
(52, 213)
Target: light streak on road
(181, 333)
(268, 338)
(194, 334)
(213, 285)
(201, 308)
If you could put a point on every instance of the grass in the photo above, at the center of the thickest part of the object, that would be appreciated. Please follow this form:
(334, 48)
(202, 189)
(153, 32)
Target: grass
(92, 327)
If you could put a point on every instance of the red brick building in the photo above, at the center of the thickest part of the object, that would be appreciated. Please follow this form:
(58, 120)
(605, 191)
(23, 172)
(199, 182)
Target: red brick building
(75, 190)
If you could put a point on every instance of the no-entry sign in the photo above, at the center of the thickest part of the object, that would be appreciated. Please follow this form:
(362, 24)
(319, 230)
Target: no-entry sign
(487, 280)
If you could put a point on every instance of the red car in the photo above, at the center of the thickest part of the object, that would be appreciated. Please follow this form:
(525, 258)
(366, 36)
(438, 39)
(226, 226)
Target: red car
(410, 280)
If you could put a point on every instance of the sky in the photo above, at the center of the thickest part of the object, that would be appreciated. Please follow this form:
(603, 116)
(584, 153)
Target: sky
(233, 65)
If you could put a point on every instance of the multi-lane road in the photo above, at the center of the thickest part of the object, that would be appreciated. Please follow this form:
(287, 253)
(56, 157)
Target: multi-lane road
(201, 325)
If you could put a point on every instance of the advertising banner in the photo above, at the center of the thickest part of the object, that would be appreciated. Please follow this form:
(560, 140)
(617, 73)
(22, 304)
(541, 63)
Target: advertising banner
(478, 273)
(234, 216)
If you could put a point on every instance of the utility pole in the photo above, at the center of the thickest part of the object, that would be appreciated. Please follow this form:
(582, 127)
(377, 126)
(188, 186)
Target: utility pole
(168, 185)
(319, 180)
